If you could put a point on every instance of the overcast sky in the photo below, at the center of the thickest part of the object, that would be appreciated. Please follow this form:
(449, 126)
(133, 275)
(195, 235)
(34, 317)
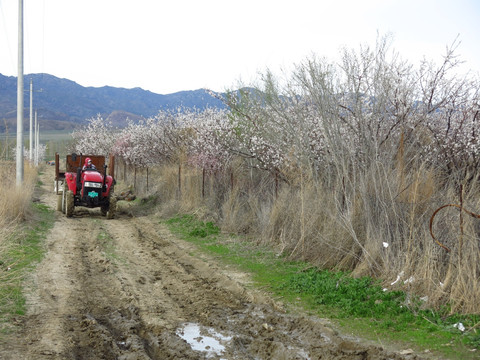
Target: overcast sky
(167, 46)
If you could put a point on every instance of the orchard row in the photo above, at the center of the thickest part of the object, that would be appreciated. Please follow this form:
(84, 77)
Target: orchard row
(344, 117)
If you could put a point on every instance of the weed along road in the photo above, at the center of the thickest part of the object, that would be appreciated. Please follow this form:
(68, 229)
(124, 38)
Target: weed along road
(126, 288)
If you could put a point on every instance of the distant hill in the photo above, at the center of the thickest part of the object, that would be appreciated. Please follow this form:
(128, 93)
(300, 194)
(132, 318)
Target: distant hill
(63, 104)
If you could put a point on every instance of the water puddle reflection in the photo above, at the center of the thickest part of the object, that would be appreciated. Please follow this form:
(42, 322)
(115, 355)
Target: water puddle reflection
(203, 339)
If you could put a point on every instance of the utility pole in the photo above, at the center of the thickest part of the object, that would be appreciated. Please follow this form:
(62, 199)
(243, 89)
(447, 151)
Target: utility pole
(37, 139)
(32, 129)
(19, 156)
(31, 120)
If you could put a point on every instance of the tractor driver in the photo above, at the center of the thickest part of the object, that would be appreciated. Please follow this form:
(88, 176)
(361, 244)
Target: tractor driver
(88, 165)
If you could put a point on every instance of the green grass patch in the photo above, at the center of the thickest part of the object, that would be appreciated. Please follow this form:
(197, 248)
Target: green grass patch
(359, 305)
(362, 304)
(19, 255)
(192, 229)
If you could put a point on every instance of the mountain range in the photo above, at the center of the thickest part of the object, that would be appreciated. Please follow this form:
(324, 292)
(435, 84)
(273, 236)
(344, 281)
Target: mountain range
(62, 104)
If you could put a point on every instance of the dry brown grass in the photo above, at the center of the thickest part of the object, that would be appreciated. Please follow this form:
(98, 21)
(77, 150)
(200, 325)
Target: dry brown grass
(14, 200)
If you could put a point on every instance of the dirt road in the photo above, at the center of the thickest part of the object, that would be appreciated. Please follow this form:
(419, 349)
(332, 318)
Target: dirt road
(128, 289)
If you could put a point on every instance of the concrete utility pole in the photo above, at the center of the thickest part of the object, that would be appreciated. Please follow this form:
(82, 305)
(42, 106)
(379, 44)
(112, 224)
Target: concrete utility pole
(19, 157)
(31, 120)
(37, 138)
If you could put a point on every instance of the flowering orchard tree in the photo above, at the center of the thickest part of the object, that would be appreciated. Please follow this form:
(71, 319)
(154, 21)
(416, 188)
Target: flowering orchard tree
(171, 132)
(249, 132)
(451, 110)
(455, 143)
(207, 146)
(352, 113)
(153, 141)
(42, 150)
(357, 113)
(98, 137)
(132, 145)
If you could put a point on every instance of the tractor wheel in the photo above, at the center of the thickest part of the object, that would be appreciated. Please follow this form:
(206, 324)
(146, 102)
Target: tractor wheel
(64, 195)
(112, 208)
(59, 202)
(104, 210)
(69, 203)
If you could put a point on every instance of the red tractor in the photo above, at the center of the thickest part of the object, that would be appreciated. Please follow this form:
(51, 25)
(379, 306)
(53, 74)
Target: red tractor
(89, 187)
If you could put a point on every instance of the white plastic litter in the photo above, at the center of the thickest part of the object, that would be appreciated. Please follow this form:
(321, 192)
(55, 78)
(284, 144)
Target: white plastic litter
(398, 278)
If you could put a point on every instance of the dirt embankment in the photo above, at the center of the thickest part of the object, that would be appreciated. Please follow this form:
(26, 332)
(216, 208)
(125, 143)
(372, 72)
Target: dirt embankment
(127, 289)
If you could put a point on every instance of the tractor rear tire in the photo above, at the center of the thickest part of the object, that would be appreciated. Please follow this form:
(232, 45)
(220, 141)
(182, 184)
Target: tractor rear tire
(64, 195)
(112, 208)
(69, 205)
(104, 210)
(59, 202)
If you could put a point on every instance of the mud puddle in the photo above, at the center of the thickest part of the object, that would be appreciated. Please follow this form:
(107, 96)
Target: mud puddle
(204, 340)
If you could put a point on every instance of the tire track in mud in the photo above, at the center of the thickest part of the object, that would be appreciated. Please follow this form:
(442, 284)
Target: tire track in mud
(85, 306)
(128, 289)
(108, 324)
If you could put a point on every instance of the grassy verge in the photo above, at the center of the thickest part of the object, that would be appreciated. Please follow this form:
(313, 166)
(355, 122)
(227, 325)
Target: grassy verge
(357, 305)
(23, 250)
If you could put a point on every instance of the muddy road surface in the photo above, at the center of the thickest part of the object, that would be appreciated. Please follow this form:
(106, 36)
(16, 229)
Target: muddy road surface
(128, 289)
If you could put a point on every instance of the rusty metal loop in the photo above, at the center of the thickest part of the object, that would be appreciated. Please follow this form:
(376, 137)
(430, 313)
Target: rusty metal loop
(435, 213)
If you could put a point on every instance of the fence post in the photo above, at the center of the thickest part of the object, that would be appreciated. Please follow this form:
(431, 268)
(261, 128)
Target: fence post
(203, 183)
(135, 178)
(276, 184)
(180, 180)
(461, 224)
(124, 163)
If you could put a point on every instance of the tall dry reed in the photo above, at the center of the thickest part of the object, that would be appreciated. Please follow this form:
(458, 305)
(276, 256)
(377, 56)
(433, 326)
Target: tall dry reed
(14, 203)
(15, 200)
